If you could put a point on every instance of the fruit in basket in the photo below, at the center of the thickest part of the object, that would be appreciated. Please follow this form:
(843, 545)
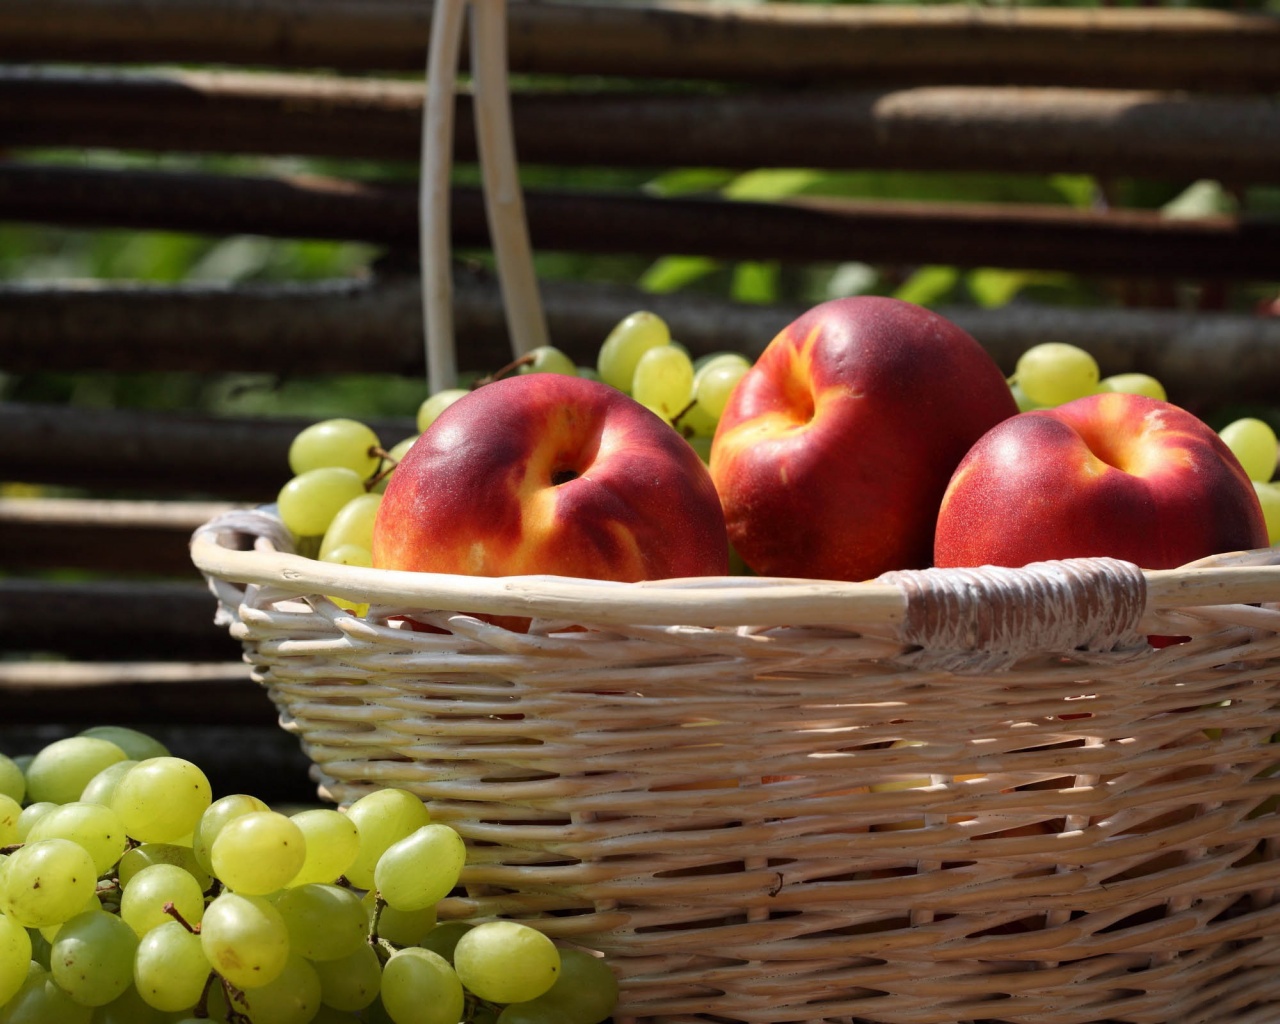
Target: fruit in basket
(335, 442)
(1120, 475)
(1253, 442)
(835, 447)
(630, 339)
(1054, 372)
(550, 474)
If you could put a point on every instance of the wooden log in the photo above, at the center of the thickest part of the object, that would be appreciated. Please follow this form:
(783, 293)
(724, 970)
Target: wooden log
(246, 753)
(806, 230)
(375, 326)
(148, 692)
(793, 43)
(156, 454)
(125, 538)
(1039, 131)
(113, 620)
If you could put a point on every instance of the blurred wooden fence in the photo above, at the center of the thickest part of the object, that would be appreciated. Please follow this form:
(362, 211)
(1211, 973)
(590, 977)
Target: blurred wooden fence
(1178, 95)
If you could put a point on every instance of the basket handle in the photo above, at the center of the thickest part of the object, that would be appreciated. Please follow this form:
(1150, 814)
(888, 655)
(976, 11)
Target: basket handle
(504, 202)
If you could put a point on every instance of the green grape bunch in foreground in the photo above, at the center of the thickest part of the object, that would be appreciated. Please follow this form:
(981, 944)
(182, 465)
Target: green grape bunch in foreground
(129, 894)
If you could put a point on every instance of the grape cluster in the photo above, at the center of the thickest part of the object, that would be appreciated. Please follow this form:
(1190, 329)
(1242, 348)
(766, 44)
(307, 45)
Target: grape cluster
(128, 895)
(340, 469)
(1052, 373)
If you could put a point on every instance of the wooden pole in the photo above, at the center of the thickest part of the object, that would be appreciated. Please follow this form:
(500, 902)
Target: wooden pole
(1123, 243)
(1144, 133)
(1177, 48)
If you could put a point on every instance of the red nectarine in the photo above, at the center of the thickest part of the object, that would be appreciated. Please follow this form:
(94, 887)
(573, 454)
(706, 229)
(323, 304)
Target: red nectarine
(834, 450)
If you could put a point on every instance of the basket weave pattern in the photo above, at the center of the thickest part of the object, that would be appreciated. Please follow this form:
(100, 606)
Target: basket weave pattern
(1008, 807)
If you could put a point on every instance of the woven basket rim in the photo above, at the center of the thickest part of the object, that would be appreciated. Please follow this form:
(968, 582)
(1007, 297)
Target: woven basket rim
(1244, 577)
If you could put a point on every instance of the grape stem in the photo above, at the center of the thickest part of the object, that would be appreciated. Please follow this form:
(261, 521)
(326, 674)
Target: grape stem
(176, 914)
(504, 371)
(675, 420)
(384, 467)
(233, 994)
(201, 1009)
(6, 850)
(379, 904)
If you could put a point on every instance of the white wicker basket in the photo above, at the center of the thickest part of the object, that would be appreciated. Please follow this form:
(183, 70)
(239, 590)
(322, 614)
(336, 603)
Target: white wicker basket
(945, 796)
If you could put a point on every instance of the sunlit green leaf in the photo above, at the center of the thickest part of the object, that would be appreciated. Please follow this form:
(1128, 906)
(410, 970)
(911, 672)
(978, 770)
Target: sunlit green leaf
(771, 183)
(755, 281)
(671, 273)
(929, 285)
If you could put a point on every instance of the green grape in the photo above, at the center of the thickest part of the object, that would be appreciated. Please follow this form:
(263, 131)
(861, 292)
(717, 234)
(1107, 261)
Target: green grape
(10, 812)
(431, 408)
(41, 1000)
(324, 1015)
(92, 904)
(95, 827)
(161, 853)
(142, 903)
(137, 746)
(15, 954)
(1253, 443)
(128, 1008)
(663, 381)
(395, 457)
(92, 957)
(382, 817)
(506, 961)
(626, 343)
(161, 799)
(170, 968)
(399, 927)
(548, 359)
(352, 525)
(419, 871)
(258, 853)
(587, 372)
(48, 882)
(60, 771)
(1134, 384)
(1024, 403)
(13, 783)
(41, 948)
(1269, 499)
(221, 811)
(351, 982)
(332, 845)
(291, 997)
(344, 443)
(714, 385)
(585, 992)
(443, 938)
(694, 422)
(308, 502)
(100, 788)
(419, 987)
(325, 922)
(1053, 373)
(30, 815)
(245, 939)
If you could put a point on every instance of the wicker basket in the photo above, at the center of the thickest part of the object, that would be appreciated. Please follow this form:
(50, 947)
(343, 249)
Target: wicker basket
(944, 796)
